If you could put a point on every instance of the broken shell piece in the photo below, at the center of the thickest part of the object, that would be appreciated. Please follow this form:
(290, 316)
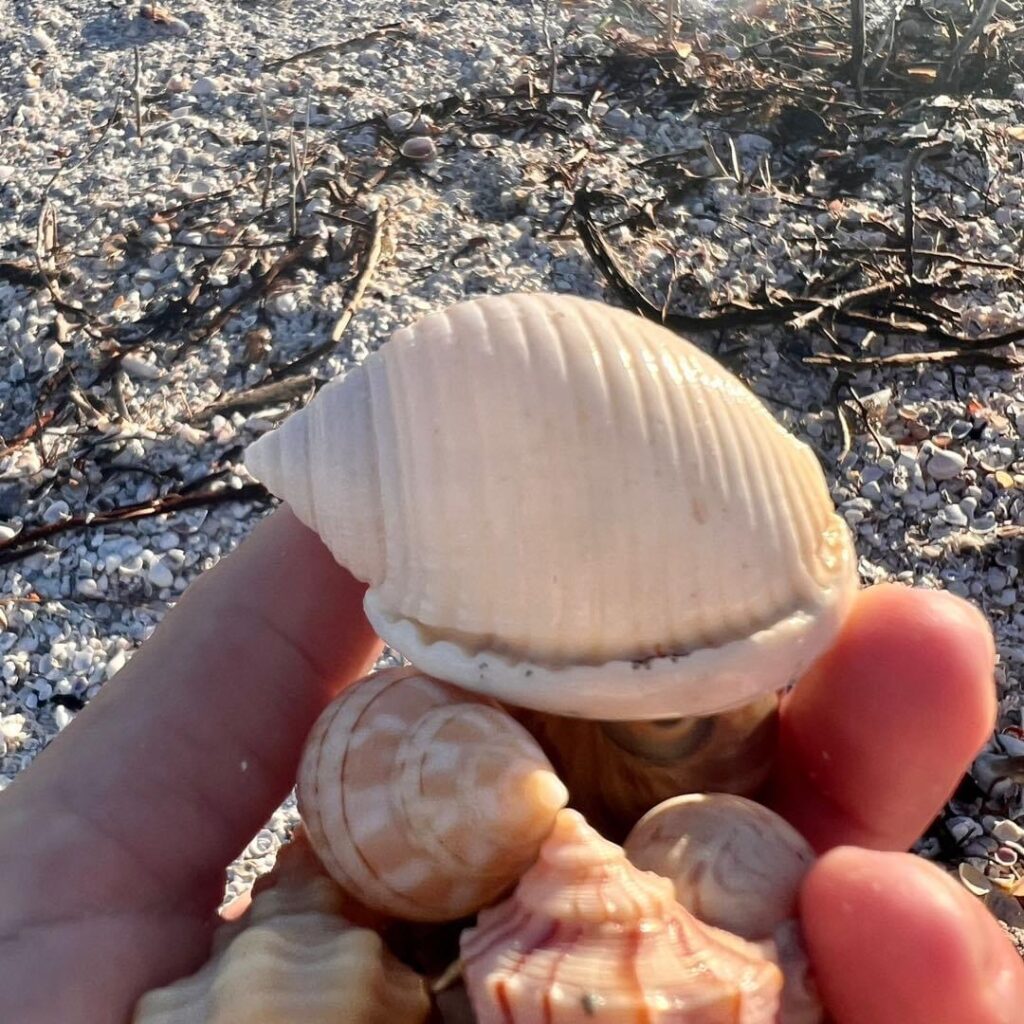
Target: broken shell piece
(424, 801)
(735, 864)
(419, 148)
(291, 957)
(586, 935)
(572, 509)
(617, 771)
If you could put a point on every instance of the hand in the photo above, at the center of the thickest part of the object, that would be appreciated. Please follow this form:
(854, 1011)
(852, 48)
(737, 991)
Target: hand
(113, 844)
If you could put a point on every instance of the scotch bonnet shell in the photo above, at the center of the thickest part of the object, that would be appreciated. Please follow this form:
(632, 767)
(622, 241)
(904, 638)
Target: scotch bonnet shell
(570, 508)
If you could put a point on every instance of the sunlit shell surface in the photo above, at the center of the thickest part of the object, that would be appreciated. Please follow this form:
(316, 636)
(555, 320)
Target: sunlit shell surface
(587, 936)
(568, 507)
(735, 864)
(424, 801)
(739, 866)
(617, 771)
(292, 958)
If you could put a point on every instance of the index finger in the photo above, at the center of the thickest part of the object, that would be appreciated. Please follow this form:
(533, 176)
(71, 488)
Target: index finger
(874, 739)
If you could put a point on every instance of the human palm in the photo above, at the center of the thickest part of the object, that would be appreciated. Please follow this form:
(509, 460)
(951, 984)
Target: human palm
(114, 843)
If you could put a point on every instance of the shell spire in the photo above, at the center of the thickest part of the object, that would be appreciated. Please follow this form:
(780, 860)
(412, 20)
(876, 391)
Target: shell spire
(423, 801)
(572, 509)
(587, 935)
(325, 466)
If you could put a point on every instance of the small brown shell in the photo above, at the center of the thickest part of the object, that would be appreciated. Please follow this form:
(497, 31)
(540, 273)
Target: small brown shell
(291, 957)
(739, 866)
(617, 771)
(587, 936)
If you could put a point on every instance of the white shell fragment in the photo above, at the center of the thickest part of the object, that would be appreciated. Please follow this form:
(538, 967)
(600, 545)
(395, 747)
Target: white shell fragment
(570, 508)
(423, 801)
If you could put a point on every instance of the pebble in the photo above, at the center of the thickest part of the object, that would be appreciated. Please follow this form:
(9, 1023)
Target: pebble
(945, 465)
(53, 358)
(205, 87)
(618, 119)
(160, 575)
(56, 512)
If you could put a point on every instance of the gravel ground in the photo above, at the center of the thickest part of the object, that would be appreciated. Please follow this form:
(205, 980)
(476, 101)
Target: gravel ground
(191, 203)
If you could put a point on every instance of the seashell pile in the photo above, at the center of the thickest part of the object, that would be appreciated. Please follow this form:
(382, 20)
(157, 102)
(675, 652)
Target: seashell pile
(568, 509)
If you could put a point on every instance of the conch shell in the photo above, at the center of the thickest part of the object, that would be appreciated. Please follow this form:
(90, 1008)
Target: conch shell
(422, 800)
(292, 957)
(617, 771)
(587, 936)
(736, 865)
(572, 509)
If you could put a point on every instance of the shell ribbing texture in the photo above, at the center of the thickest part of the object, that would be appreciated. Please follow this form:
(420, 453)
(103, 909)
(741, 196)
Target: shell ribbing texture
(293, 958)
(422, 800)
(560, 481)
(588, 936)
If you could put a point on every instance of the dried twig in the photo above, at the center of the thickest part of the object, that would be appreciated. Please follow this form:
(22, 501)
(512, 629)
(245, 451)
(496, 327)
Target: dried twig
(952, 66)
(909, 171)
(341, 46)
(256, 398)
(30, 538)
(858, 31)
(372, 256)
(137, 93)
(268, 154)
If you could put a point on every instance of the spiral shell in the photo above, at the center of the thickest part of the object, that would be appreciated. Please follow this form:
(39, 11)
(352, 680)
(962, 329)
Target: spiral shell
(735, 864)
(572, 509)
(424, 801)
(291, 958)
(617, 771)
(738, 866)
(586, 936)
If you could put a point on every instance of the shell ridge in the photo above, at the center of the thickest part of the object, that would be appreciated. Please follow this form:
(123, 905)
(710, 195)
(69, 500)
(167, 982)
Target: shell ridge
(360, 863)
(560, 589)
(684, 429)
(742, 602)
(631, 525)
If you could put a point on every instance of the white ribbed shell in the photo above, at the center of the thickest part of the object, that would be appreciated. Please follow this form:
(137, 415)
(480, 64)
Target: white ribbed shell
(571, 508)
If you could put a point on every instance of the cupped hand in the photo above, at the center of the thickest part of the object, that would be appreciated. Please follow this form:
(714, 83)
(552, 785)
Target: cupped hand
(113, 844)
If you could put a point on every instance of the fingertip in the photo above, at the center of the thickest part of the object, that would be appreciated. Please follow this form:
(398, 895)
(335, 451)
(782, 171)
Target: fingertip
(876, 735)
(895, 939)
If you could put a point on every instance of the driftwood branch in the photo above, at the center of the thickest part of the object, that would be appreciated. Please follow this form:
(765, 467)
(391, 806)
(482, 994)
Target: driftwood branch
(31, 538)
